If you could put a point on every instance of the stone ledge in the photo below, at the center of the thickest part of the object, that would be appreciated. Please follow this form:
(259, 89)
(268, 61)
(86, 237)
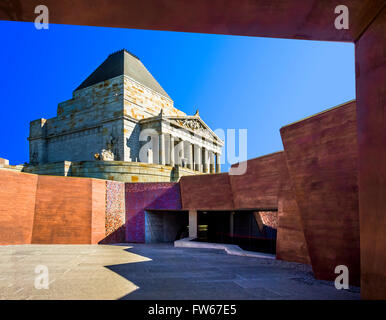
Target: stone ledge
(124, 171)
(231, 249)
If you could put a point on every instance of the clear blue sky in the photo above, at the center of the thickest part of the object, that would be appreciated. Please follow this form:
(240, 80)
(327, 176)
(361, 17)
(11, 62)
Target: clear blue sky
(260, 84)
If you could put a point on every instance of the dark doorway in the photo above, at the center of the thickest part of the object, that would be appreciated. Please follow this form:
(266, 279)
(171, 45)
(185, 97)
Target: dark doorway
(250, 230)
(214, 226)
(165, 226)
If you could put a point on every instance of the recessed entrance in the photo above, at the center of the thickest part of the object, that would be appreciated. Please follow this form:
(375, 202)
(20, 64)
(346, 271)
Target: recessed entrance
(251, 230)
(165, 225)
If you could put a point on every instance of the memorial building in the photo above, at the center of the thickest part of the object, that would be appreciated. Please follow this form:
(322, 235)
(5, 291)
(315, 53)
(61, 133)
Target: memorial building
(121, 125)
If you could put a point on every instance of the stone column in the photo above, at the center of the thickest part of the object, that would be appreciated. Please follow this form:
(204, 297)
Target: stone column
(181, 152)
(197, 158)
(149, 155)
(192, 223)
(206, 162)
(162, 149)
(211, 161)
(218, 163)
(189, 155)
(172, 156)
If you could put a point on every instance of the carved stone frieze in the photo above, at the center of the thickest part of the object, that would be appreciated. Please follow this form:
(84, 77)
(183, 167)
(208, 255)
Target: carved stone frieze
(195, 125)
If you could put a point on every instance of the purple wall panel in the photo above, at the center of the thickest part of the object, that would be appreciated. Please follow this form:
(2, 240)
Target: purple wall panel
(148, 196)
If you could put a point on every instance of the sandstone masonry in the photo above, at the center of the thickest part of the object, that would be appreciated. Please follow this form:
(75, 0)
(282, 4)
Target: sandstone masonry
(106, 119)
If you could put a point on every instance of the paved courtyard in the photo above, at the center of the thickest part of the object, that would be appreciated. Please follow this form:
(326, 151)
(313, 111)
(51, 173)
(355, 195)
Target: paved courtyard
(157, 271)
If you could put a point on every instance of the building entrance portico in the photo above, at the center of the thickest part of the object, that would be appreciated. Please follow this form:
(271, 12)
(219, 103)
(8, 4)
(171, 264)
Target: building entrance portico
(185, 141)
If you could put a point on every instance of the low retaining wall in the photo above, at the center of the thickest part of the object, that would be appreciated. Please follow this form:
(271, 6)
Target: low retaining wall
(59, 210)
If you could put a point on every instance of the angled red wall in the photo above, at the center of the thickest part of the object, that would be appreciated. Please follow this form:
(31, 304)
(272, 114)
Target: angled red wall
(259, 186)
(17, 205)
(291, 244)
(206, 192)
(322, 159)
(143, 196)
(371, 94)
(265, 185)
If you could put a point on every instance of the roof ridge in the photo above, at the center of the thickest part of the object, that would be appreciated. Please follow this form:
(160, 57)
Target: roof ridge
(124, 50)
(123, 62)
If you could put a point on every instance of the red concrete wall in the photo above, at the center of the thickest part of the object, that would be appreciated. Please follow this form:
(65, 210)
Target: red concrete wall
(51, 210)
(296, 19)
(322, 159)
(371, 96)
(206, 192)
(259, 186)
(98, 210)
(17, 205)
(69, 210)
(265, 185)
(291, 244)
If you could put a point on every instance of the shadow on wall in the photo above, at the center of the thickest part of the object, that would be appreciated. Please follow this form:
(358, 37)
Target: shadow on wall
(117, 236)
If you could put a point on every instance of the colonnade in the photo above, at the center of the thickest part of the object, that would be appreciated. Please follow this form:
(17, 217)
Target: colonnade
(196, 157)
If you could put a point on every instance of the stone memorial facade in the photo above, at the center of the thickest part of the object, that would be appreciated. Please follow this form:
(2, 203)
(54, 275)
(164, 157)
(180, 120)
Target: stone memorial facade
(121, 125)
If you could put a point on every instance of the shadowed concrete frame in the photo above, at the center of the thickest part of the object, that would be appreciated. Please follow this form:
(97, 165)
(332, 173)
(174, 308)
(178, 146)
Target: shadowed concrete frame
(293, 19)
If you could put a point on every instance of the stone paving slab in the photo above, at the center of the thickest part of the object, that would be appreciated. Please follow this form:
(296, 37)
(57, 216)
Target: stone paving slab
(155, 271)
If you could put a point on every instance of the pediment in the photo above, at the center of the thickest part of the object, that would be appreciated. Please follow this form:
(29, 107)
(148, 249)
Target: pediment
(196, 125)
